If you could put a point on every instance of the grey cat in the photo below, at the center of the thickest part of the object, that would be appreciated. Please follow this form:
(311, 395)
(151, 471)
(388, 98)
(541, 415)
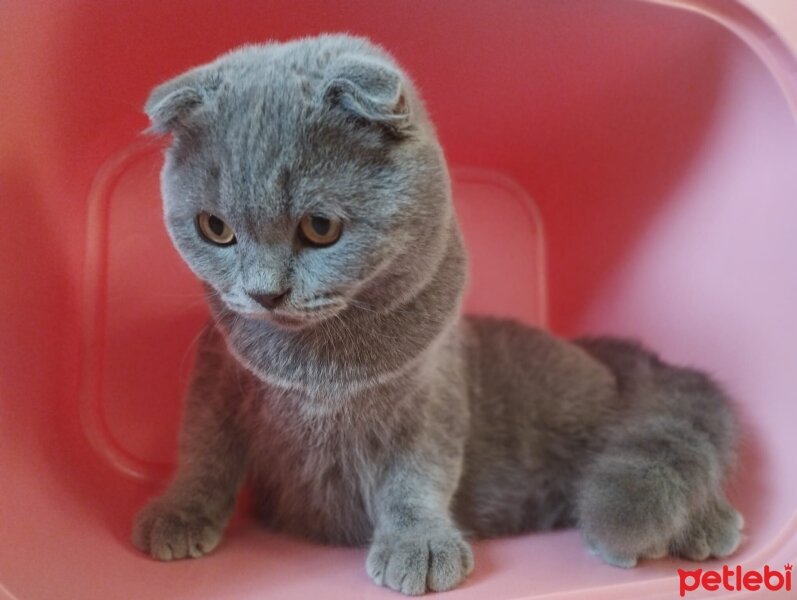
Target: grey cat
(306, 187)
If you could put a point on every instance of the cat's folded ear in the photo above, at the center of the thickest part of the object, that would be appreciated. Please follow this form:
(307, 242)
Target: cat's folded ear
(369, 89)
(173, 106)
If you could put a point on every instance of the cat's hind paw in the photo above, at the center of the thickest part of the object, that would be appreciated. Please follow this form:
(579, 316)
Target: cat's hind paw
(715, 531)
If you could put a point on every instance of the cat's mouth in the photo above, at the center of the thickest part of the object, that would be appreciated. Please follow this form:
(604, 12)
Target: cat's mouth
(308, 314)
(288, 321)
(294, 317)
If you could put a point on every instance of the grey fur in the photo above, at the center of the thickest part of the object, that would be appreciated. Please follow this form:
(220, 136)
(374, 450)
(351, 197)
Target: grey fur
(365, 409)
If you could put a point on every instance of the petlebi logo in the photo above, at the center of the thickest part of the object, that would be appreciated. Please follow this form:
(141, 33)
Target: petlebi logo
(735, 579)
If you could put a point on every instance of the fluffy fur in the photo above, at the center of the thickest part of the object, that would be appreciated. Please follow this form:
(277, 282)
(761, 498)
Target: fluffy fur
(364, 409)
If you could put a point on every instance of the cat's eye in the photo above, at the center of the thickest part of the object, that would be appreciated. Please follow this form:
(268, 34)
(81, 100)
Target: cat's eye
(215, 230)
(320, 231)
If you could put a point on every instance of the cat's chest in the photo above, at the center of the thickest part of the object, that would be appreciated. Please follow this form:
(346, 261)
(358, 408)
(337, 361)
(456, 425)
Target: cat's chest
(316, 476)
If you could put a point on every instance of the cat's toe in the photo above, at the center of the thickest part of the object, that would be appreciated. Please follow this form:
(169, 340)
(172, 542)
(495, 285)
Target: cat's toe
(714, 531)
(610, 556)
(414, 563)
(168, 532)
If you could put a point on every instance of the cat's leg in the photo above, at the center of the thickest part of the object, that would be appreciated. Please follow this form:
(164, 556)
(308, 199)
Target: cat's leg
(416, 546)
(656, 488)
(188, 519)
(656, 491)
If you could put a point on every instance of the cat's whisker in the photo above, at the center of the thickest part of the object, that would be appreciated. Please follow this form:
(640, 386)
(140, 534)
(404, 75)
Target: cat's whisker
(192, 344)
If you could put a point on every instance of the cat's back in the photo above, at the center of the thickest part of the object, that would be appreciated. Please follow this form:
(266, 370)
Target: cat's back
(517, 362)
(536, 402)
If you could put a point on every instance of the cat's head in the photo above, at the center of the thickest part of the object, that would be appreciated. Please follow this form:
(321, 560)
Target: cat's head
(303, 179)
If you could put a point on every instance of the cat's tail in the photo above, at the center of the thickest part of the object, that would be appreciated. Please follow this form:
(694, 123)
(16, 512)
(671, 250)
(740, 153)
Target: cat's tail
(656, 487)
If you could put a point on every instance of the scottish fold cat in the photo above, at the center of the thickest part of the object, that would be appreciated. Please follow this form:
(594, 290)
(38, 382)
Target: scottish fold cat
(305, 186)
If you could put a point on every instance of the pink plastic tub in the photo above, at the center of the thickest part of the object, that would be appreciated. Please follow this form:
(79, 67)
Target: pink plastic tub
(659, 146)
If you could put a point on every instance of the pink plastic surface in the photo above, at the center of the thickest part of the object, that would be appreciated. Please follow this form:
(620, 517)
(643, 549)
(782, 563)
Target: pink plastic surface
(659, 147)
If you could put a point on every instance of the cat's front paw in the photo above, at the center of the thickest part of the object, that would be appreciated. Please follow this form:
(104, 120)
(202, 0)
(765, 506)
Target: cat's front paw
(167, 531)
(414, 562)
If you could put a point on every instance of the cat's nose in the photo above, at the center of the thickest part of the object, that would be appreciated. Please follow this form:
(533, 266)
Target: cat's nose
(270, 301)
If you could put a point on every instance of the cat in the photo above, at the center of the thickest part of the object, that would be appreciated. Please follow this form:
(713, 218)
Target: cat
(306, 187)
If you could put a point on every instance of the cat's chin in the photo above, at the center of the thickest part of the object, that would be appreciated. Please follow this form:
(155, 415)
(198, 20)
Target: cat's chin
(290, 322)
